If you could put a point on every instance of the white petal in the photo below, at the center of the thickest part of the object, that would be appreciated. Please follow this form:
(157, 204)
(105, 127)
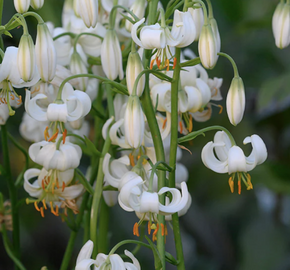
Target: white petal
(86, 251)
(236, 160)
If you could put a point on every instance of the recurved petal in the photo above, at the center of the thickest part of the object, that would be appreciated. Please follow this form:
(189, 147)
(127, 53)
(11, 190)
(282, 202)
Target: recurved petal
(209, 159)
(134, 260)
(259, 153)
(117, 262)
(223, 145)
(134, 32)
(236, 160)
(34, 189)
(71, 192)
(32, 107)
(80, 103)
(85, 264)
(86, 251)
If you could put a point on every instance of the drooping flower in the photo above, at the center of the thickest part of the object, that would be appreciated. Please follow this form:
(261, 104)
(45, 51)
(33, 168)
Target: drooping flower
(21, 5)
(37, 4)
(88, 11)
(222, 156)
(102, 261)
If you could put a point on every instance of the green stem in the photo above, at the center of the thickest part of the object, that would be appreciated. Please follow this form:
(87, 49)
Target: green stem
(210, 10)
(85, 34)
(35, 15)
(172, 158)
(124, 242)
(1, 10)
(194, 134)
(204, 11)
(236, 72)
(99, 184)
(12, 191)
(113, 15)
(72, 35)
(104, 227)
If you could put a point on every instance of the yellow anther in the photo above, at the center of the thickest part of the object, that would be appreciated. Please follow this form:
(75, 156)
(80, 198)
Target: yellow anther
(164, 123)
(64, 136)
(174, 62)
(36, 206)
(231, 184)
(63, 186)
(132, 162)
(149, 227)
(44, 204)
(190, 126)
(46, 134)
(136, 229)
(42, 212)
(54, 136)
(221, 108)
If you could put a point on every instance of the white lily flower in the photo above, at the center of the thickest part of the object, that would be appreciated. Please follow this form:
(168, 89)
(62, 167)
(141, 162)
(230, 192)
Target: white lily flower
(45, 53)
(75, 105)
(88, 11)
(21, 5)
(52, 187)
(236, 101)
(197, 16)
(26, 59)
(134, 68)
(111, 56)
(4, 113)
(223, 157)
(280, 25)
(37, 4)
(138, 8)
(183, 28)
(46, 154)
(102, 261)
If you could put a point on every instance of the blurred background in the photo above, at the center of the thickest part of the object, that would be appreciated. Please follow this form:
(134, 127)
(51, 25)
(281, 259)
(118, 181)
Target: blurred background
(221, 231)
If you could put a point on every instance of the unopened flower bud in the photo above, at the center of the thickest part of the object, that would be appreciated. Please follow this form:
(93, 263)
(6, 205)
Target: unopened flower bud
(138, 8)
(197, 16)
(21, 5)
(88, 11)
(134, 122)
(216, 33)
(236, 101)
(37, 4)
(111, 56)
(45, 53)
(26, 58)
(134, 68)
(281, 25)
(207, 47)
(77, 66)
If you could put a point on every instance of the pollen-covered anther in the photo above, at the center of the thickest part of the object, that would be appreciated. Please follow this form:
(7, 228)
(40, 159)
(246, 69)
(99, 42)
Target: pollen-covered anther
(190, 126)
(250, 185)
(12, 97)
(231, 184)
(152, 63)
(19, 101)
(154, 237)
(132, 162)
(149, 227)
(167, 65)
(42, 184)
(54, 136)
(158, 62)
(46, 134)
(55, 212)
(239, 184)
(52, 188)
(44, 204)
(42, 212)
(63, 186)
(136, 229)
(64, 136)
(164, 123)
(180, 127)
(174, 62)
(36, 206)
(221, 108)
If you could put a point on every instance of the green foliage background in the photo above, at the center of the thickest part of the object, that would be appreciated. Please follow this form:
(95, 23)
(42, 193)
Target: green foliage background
(221, 230)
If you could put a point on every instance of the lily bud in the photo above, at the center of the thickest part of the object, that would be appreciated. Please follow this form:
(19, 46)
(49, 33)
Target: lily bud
(207, 47)
(21, 5)
(216, 33)
(26, 58)
(138, 8)
(236, 101)
(134, 68)
(77, 66)
(37, 4)
(197, 16)
(45, 53)
(111, 56)
(134, 122)
(281, 25)
(88, 11)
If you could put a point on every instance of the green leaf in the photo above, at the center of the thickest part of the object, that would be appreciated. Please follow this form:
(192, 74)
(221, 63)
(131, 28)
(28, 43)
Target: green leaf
(157, 259)
(189, 137)
(85, 182)
(90, 148)
(169, 258)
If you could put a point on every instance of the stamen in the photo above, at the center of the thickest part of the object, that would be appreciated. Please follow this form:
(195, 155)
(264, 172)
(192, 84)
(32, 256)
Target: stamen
(42, 212)
(52, 188)
(164, 123)
(57, 183)
(221, 108)
(42, 184)
(46, 134)
(167, 64)
(5, 101)
(64, 136)
(35, 90)
(239, 184)
(54, 136)
(1, 100)
(174, 62)
(44, 204)
(12, 97)
(250, 185)
(149, 227)
(136, 229)
(162, 229)
(231, 184)
(19, 102)
(180, 127)
(158, 62)
(56, 210)
(190, 126)
(63, 186)
(36, 206)
(132, 162)
(152, 63)
(123, 47)
(155, 232)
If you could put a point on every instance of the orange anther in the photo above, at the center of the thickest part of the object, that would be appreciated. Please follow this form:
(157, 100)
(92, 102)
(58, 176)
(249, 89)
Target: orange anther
(136, 229)
(46, 134)
(221, 108)
(231, 184)
(164, 123)
(57, 183)
(44, 204)
(154, 233)
(158, 62)
(132, 162)
(5, 100)
(239, 185)
(52, 188)
(174, 62)
(180, 127)
(54, 136)
(42, 184)
(56, 210)
(152, 63)
(19, 100)
(123, 47)
(41, 211)
(63, 186)
(64, 136)
(1, 100)
(167, 64)
(162, 229)
(36, 206)
(12, 97)
(190, 126)
(149, 227)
